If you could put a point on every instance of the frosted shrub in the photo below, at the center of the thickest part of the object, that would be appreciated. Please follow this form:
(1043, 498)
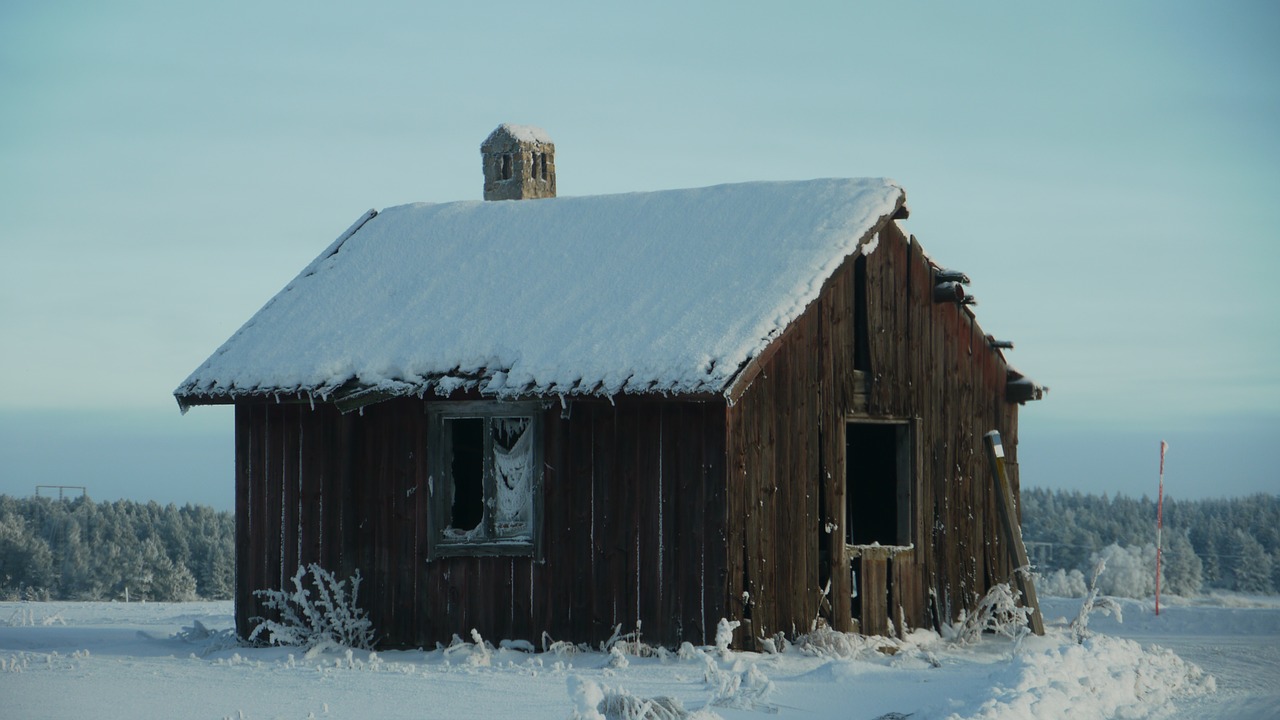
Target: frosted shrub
(1104, 605)
(1061, 583)
(560, 647)
(999, 612)
(724, 636)
(1130, 570)
(330, 617)
(823, 641)
(477, 653)
(749, 690)
(630, 644)
(597, 702)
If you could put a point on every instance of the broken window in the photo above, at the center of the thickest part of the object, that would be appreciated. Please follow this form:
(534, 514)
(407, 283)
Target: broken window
(485, 486)
(506, 166)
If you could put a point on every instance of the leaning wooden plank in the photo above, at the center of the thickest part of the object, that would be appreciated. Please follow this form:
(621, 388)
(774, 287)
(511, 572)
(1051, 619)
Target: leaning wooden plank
(1012, 531)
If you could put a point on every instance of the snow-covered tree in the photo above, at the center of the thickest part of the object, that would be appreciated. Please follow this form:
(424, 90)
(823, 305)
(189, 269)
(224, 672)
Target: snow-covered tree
(1251, 568)
(1182, 568)
(26, 562)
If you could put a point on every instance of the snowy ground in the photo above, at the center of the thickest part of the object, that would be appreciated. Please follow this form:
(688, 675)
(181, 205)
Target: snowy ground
(109, 660)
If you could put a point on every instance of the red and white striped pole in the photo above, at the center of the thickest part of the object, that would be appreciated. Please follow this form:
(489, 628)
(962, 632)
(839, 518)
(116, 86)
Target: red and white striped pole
(1164, 446)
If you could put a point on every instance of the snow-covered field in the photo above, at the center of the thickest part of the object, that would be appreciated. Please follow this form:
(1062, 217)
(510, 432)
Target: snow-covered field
(111, 660)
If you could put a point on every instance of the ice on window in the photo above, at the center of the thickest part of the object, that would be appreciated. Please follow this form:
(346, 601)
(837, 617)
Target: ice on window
(513, 476)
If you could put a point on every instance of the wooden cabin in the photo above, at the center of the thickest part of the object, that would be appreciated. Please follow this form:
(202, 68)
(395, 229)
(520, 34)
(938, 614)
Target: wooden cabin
(760, 402)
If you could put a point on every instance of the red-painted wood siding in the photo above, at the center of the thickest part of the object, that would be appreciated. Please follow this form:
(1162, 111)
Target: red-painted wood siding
(634, 522)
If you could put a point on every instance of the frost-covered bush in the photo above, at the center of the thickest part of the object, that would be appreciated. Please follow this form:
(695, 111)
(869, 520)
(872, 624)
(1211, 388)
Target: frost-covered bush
(601, 702)
(319, 612)
(1131, 570)
(748, 690)
(998, 612)
(1061, 583)
(629, 644)
(823, 641)
(724, 636)
(1105, 605)
(477, 653)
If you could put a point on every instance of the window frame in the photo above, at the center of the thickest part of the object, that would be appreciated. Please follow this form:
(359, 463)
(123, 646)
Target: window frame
(440, 480)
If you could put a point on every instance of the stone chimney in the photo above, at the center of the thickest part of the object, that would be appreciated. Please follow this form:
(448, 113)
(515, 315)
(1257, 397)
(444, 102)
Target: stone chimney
(519, 163)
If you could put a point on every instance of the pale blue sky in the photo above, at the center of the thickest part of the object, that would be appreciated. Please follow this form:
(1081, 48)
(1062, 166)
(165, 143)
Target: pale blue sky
(1107, 174)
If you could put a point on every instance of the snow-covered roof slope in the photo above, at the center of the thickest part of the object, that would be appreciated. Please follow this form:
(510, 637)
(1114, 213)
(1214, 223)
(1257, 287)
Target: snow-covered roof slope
(666, 292)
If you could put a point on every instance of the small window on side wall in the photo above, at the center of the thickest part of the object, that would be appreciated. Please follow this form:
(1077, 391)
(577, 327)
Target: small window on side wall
(485, 489)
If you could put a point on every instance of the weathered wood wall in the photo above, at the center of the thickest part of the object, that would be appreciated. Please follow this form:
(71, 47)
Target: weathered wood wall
(634, 522)
(928, 363)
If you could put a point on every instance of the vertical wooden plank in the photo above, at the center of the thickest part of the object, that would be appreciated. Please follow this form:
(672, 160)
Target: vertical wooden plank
(668, 509)
(607, 528)
(582, 604)
(648, 514)
(290, 496)
(838, 367)
(247, 494)
(273, 463)
(873, 595)
(711, 428)
(349, 457)
(422, 571)
(558, 534)
(407, 423)
(692, 537)
(312, 472)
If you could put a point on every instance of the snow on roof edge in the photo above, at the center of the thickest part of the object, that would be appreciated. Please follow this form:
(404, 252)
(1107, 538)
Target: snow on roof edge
(203, 388)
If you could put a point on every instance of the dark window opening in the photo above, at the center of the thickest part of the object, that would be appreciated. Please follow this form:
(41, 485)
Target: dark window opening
(486, 481)
(861, 333)
(465, 439)
(877, 477)
(542, 160)
(506, 166)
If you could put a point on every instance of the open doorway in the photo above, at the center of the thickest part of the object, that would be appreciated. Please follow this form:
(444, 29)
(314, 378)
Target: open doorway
(879, 472)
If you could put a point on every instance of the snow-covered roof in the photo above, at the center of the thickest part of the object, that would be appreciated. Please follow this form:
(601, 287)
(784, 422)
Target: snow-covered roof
(660, 292)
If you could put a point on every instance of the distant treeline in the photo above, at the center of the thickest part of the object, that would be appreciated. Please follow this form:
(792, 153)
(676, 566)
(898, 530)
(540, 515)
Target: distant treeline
(1208, 544)
(82, 550)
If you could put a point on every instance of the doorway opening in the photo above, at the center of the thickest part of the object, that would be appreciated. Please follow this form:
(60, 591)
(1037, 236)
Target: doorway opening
(878, 469)
(878, 483)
